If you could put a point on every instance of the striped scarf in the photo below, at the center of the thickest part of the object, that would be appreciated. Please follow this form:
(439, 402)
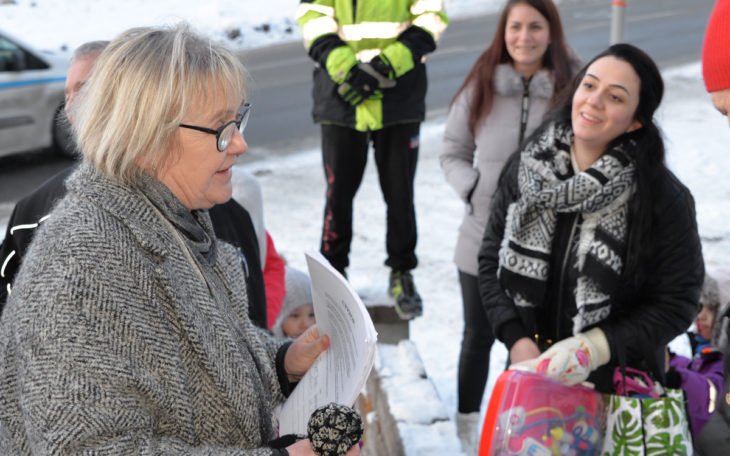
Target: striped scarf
(549, 187)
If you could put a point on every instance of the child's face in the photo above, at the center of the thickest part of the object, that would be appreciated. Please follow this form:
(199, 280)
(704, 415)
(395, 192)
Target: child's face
(704, 322)
(298, 321)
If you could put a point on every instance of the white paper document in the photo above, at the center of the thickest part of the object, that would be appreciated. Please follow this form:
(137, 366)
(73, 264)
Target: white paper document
(340, 373)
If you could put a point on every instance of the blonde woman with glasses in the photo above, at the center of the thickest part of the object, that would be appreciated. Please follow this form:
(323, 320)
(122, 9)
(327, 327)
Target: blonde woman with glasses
(127, 331)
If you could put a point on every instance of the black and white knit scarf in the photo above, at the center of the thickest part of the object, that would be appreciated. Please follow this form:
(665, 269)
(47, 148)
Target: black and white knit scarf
(548, 187)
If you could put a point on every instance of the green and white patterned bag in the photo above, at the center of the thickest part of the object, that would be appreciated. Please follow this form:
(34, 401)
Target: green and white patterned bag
(647, 426)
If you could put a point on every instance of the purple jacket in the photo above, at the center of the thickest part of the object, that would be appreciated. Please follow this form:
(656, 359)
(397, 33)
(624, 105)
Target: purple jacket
(702, 382)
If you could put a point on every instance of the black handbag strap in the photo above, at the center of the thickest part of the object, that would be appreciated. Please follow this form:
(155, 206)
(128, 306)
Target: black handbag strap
(621, 357)
(647, 355)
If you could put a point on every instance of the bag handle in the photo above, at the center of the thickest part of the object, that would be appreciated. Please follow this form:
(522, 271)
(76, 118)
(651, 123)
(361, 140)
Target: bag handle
(621, 368)
(637, 380)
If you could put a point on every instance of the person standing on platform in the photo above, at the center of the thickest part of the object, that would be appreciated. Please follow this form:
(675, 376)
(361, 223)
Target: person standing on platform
(370, 88)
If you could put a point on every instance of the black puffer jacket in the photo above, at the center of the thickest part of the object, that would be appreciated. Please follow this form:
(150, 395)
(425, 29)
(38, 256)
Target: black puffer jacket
(645, 314)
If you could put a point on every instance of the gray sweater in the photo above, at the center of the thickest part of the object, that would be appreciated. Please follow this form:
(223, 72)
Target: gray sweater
(472, 163)
(113, 342)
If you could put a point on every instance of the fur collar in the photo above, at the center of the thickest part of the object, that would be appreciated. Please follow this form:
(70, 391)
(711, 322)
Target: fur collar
(508, 82)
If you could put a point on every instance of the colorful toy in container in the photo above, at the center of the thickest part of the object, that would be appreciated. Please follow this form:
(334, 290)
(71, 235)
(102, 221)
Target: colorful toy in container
(530, 414)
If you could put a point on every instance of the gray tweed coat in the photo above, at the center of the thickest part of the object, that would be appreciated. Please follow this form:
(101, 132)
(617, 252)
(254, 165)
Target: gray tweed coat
(112, 343)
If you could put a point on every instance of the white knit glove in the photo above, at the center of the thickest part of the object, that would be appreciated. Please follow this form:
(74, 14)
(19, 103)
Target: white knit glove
(571, 360)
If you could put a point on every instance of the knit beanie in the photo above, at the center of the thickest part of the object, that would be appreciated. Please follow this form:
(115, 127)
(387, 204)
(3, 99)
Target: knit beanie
(333, 429)
(710, 299)
(298, 293)
(716, 49)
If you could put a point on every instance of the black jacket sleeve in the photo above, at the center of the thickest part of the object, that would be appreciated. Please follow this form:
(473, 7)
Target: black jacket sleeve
(667, 301)
(419, 41)
(9, 263)
(500, 308)
(322, 46)
(232, 223)
(28, 213)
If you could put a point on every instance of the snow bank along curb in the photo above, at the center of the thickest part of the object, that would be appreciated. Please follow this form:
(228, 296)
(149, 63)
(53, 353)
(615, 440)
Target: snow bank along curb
(404, 415)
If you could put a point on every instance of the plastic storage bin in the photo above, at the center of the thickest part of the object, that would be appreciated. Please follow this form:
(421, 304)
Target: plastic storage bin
(530, 414)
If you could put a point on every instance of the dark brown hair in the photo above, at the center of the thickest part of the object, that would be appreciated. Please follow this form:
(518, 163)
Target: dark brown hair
(558, 58)
(648, 151)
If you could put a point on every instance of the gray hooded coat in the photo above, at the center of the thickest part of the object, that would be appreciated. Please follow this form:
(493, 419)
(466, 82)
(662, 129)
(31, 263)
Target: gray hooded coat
(472, 163)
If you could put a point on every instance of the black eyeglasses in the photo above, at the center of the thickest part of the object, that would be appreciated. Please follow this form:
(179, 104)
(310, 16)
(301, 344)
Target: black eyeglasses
(224, 134)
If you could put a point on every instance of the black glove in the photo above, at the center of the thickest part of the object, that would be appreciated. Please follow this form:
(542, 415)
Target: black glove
(381, 66)
(381, 70)
(358, 87)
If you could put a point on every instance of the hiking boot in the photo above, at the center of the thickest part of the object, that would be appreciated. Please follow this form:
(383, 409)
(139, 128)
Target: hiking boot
(408, 302)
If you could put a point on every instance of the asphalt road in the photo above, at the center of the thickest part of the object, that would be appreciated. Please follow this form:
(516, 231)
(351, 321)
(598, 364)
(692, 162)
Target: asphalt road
(671, 31)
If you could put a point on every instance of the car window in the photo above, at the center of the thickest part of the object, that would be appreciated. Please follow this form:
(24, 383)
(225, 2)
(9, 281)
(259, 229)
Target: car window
(15, 58)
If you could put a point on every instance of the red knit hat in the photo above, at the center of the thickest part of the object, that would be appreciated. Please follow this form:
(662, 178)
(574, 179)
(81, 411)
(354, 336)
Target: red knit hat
(716, 50)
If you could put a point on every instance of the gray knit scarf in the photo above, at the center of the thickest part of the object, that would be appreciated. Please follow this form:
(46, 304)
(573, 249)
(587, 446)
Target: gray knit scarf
(195, 226)
(548, 187)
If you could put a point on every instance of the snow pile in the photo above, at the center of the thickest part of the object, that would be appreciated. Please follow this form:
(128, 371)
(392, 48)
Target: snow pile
(63, 24)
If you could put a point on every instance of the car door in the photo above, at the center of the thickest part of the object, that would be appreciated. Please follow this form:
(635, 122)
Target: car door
(31, 91)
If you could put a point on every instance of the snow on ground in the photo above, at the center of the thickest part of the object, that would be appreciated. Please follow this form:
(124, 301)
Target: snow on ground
(293, 188)
(55, 24)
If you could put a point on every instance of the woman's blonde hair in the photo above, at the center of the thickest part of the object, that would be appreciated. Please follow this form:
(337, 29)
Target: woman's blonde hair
(143, 85)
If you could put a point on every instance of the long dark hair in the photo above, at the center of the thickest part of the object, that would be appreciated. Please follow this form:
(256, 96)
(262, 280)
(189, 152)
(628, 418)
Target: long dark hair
(558, 58)
(648, 153)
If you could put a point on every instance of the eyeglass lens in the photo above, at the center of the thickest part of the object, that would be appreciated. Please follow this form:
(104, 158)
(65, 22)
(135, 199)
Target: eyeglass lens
(224, 139)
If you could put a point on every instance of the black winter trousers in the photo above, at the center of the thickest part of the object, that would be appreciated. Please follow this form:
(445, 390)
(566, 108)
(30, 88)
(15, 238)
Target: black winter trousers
(476, 345)
(344, 154)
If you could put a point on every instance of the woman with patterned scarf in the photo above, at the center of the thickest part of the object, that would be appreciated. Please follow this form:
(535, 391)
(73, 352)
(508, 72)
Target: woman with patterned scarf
(501, 101)
(591, 254)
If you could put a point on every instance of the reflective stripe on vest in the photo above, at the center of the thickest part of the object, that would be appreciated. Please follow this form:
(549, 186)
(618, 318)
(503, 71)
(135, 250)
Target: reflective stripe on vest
(422, 6)
(317, 27)
(432, 23)
(304, 8)
(378, 30)
(366, 55)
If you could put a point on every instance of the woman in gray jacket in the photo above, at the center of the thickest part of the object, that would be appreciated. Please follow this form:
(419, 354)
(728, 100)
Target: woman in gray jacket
(127, 331)
(503, 98)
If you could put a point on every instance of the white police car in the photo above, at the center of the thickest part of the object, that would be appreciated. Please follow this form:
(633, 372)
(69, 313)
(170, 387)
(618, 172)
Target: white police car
(31, 97)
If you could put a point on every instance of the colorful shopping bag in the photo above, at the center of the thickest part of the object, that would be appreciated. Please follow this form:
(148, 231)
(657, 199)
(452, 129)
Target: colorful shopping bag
(647, 426)
(530, 414)
(644, 426)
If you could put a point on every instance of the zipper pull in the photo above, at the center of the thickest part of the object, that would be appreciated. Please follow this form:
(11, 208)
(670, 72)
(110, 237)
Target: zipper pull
(244, 262)
(525, 108)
